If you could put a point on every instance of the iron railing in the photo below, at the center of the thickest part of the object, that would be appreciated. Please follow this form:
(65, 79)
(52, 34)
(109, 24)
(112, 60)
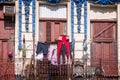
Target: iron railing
(45, 70)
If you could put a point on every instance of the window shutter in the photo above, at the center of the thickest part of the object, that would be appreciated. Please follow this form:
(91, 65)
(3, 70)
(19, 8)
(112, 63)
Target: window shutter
(48, 31)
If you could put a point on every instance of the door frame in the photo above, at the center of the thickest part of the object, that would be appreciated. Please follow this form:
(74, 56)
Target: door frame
(52, 20)
(114, 40)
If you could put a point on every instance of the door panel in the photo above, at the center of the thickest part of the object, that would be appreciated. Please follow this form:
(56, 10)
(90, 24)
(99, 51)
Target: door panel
(103, 32)
(58, 29)
(50, 30)
(7, 33)
(5, 50)
(43, 31)
(104, 46)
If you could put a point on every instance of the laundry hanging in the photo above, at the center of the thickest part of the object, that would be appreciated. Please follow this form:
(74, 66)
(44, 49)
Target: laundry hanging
(42, 48)
(79, 4)
(27, 12)
(63, 53)
(78, 9)
(33, 17)
(63, 43)
(85, 26)
(20, 26)
(54, 57)
(72, 23)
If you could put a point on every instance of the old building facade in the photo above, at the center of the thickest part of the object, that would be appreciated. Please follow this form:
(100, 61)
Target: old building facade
(92, 26)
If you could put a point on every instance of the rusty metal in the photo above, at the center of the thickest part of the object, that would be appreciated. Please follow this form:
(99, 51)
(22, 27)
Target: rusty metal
(7, 70)
(45, 70)
(89, 72)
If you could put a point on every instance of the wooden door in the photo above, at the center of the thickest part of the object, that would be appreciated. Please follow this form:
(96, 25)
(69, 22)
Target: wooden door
(104, 48)
(7, 33)
(57, 29)
(49, 30)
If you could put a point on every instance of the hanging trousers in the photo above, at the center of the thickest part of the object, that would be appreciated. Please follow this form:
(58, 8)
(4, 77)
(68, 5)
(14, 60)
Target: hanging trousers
(63, 40)
(42, 47)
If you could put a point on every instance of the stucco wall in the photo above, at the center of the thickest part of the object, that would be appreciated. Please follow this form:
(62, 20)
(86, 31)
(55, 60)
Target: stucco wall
(79, 37)
(28, 39)
(103, 12)
(28, 35)
(118, 37)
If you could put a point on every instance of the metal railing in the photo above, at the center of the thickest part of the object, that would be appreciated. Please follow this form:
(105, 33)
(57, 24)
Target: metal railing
(44, 69)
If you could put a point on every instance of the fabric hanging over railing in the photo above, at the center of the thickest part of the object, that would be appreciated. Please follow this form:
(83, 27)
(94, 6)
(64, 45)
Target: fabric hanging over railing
(53, 1)
(27, 11)
(79, 4)
(20, 26)
(72, 23)
(105, 2)
(78, 9)
(33, 17)
(85, 26)
(85, 18)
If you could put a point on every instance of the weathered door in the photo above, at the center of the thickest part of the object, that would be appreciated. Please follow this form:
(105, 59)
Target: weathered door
(7, 32)
(104, 48)
(51, 29)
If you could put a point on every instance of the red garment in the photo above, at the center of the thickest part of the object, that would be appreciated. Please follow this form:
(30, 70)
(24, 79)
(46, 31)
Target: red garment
(63, 39)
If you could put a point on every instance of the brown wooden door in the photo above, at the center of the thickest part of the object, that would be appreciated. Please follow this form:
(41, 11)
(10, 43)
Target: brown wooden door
(7, 33)
(51, 29)
(104, 48)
